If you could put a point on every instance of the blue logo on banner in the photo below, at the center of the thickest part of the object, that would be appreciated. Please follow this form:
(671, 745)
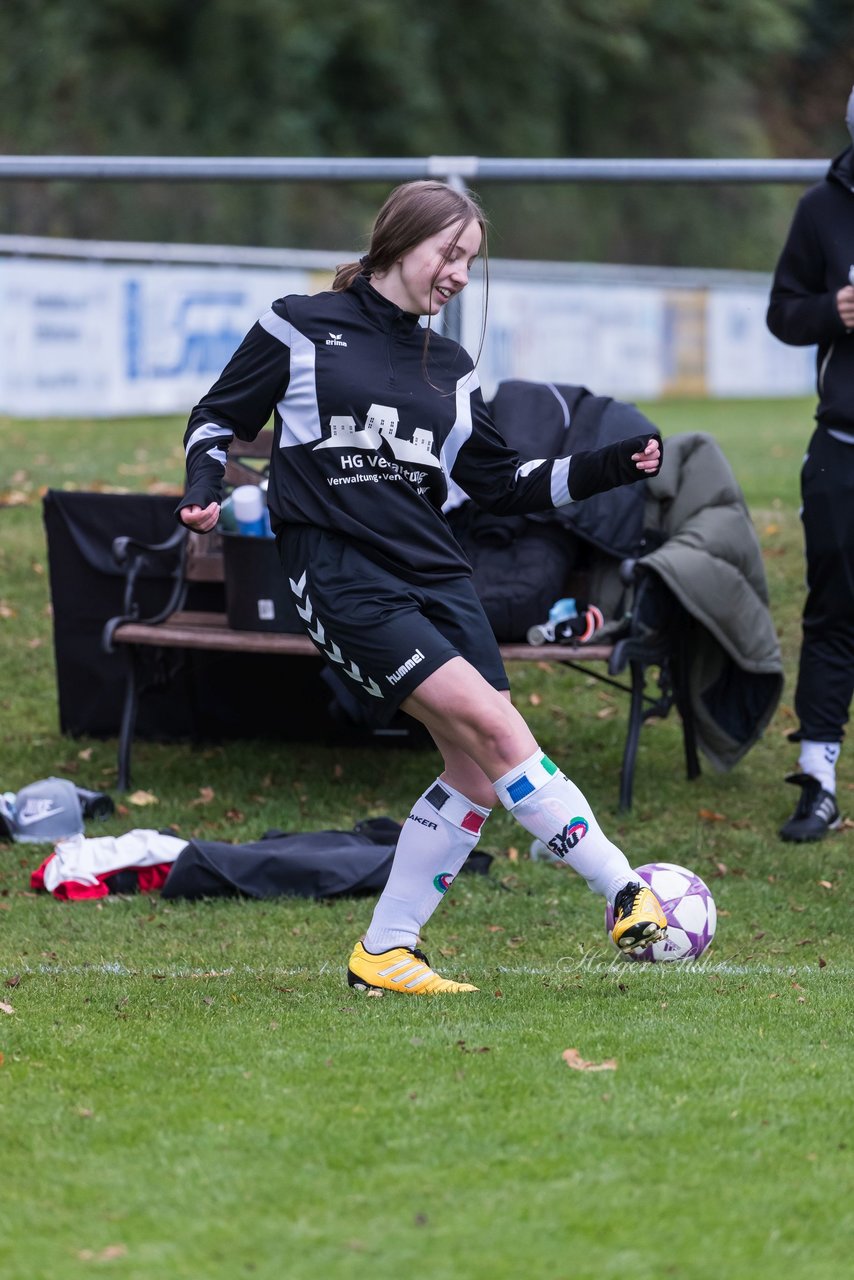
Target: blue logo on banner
(200, 333)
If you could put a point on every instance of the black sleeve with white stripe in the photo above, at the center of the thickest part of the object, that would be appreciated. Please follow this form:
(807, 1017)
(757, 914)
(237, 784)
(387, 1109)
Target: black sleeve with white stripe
(238, 404)
(496, 478)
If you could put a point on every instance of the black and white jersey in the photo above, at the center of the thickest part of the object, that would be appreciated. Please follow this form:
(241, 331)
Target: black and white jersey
(369, 427)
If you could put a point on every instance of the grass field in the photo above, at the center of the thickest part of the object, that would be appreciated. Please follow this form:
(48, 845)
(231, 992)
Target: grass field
(190, 1090)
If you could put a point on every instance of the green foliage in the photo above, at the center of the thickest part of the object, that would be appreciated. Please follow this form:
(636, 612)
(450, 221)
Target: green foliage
(189, 1090)
(382, 78)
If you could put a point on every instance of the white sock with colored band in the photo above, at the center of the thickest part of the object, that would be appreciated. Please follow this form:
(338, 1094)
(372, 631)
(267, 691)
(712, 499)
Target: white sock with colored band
(553, 809)
(437, 837)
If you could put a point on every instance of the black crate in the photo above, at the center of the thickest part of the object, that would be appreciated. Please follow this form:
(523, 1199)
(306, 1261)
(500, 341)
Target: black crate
(257, 592)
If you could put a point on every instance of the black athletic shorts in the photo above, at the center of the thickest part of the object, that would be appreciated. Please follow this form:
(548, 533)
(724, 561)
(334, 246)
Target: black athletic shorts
(380, 635)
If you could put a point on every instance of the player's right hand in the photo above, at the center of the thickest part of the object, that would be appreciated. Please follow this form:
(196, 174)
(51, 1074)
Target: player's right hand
(845, 306)
(201, 519)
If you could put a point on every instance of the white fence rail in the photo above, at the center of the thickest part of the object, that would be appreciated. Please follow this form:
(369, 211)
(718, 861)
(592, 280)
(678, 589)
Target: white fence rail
(112, 329)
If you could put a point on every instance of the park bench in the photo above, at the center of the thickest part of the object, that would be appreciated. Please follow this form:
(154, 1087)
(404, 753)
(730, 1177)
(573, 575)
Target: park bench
(186, 558)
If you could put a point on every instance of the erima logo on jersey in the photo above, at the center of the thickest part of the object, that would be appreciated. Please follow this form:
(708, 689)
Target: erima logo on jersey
(336, 340)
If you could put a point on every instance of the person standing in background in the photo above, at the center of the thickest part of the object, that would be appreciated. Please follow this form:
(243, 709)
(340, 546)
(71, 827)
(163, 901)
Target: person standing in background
(812, 301)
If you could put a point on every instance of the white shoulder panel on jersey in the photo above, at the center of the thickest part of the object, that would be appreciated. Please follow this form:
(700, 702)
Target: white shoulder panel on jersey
(298, 407)
(462, 428)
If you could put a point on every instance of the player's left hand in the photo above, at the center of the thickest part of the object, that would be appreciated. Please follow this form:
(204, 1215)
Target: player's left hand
(649, 461)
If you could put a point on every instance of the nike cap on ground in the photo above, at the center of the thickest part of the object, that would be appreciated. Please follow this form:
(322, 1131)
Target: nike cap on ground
(44, 812)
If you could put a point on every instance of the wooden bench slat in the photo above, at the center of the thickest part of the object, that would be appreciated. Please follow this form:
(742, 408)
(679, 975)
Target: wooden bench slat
(198, 630)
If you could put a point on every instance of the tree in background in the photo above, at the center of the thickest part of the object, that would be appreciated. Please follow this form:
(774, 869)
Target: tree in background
(546, 78)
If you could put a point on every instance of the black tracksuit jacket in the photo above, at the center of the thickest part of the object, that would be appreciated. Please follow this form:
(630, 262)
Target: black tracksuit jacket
(367, 432)
(816, 262)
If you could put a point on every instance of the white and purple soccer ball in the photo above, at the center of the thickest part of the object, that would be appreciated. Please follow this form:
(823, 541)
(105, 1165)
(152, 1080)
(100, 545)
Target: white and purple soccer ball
(689, 908)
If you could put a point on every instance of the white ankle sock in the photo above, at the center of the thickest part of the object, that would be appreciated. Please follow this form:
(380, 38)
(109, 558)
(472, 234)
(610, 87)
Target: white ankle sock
(818, 759)
(553, 809)
(437, 837)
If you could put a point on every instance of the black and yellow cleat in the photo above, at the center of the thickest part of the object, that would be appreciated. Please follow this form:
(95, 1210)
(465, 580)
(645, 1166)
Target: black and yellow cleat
(638, 918)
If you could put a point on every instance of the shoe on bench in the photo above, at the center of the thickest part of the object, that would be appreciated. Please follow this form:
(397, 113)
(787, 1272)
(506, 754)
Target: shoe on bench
(403, 969)
(817, 811)
(638, 918)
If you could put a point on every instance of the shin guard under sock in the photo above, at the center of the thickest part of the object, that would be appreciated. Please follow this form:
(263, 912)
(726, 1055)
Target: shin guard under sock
(552, 808)
(437, 837)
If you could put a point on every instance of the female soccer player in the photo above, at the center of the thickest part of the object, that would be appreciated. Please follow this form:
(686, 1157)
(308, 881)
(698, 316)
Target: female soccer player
(373, 416)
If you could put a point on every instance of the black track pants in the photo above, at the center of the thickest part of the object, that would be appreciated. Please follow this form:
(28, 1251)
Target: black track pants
(826, 674)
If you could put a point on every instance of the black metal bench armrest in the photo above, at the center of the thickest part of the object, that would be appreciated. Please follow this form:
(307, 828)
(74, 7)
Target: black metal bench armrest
(133, 556)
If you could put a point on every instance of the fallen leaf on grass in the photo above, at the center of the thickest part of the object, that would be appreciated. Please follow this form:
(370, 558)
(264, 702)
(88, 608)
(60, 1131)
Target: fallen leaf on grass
(826, 884)
(14, 980)
(534, 699)
(709, 815)
(206, 794)
(5, 1008)
(463, 1048)
(141, 798)
(573, 1059)
(109, 1254)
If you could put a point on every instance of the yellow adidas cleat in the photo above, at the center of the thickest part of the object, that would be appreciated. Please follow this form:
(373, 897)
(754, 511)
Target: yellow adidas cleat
(638, 918)
(402, 969)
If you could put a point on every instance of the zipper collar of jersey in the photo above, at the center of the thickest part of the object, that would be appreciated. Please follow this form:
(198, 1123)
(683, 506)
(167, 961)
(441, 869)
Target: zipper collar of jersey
(386, 315)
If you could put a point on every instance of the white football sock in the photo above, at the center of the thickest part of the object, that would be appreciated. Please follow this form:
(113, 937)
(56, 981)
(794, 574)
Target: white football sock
(553, 809)
(437, 837)
(818, 759)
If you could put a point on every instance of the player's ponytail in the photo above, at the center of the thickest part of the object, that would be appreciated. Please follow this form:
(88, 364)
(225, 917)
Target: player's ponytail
(347, 273)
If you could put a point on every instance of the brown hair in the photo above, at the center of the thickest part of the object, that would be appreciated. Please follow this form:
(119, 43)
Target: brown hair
(412, 213)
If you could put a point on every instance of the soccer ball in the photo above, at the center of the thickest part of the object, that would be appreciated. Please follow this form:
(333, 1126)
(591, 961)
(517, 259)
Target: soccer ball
(690, 909)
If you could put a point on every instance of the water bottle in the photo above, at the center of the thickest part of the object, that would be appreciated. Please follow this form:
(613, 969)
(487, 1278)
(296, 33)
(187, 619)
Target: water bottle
(248, 505)
(544, 632)
(562, 609)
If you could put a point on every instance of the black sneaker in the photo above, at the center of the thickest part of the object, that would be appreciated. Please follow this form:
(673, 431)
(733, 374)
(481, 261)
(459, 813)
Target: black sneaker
(816, 814)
